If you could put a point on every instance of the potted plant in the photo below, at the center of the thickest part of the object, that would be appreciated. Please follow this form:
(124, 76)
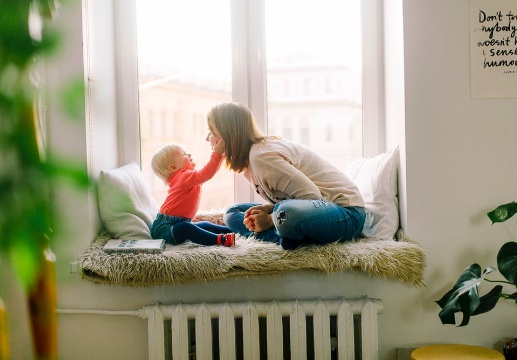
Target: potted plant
(28, 216)
(464, 296)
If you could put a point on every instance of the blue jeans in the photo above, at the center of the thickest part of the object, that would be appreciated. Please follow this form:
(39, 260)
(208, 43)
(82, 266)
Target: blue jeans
(299, 222)
(176, 230)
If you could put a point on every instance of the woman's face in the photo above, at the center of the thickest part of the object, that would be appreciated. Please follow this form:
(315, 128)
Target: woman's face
(213, 135)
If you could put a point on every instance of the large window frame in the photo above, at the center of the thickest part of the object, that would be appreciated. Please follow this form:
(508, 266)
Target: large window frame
(248, 68)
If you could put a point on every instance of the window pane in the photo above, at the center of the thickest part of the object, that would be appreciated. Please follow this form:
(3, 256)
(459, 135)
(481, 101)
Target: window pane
(184, 65)
(314, 75)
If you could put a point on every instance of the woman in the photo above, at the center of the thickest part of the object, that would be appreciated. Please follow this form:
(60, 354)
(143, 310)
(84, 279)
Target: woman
(310, 201)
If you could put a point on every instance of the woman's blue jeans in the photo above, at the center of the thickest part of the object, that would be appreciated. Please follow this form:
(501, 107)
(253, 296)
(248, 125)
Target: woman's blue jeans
(298, 222)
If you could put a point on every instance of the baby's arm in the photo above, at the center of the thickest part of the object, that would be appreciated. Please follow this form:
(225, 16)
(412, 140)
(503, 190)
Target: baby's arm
(196, 177)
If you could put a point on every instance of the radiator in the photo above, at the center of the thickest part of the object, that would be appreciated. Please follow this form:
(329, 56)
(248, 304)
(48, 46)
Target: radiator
(298, 330)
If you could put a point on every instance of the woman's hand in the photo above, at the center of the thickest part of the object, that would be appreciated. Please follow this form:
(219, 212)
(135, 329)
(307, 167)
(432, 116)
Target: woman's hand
(258, 218)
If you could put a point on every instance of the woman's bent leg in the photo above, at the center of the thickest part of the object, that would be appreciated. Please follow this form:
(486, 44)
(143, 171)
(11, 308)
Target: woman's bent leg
(234, 219)
(316, 221)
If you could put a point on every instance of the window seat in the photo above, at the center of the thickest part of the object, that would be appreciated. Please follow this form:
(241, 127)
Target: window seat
(401, 259)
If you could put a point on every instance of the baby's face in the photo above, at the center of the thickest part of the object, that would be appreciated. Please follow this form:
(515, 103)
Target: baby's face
(183, 160)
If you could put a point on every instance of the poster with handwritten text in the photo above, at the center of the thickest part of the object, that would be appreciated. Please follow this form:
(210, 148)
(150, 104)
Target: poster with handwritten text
(493, 48)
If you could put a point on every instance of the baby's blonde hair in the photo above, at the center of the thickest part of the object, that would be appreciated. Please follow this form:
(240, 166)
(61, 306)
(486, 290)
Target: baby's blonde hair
(162, 159)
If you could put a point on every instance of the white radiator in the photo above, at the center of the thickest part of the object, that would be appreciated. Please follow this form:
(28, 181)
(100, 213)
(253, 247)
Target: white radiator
(298, 330)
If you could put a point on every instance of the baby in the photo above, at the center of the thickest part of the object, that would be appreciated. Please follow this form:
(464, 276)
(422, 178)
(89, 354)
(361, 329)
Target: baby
(174, 223)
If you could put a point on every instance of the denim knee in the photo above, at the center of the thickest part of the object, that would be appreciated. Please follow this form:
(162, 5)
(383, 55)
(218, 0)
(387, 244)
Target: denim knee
(287, 220)
(230, 214)
(318, 221)
(234, 217)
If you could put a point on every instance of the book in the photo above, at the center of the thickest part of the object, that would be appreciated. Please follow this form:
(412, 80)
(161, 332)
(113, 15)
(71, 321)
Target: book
(134, 246)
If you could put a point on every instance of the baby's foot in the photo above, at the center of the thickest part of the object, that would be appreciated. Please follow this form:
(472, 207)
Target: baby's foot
(229, 240)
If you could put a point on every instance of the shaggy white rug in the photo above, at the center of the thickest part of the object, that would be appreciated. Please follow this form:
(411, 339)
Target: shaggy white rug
(402, 260)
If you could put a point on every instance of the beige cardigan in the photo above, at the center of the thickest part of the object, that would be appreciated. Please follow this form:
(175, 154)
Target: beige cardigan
(282, 169)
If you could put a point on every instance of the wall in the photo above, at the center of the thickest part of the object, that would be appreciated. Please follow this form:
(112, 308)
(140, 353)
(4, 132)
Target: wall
(450, 172)
(459, 163)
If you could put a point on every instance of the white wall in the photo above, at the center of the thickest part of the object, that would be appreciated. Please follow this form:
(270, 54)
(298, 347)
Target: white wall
(460, 164)
(451, 174)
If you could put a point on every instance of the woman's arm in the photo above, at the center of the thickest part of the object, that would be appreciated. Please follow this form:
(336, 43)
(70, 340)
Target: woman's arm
(278, 174)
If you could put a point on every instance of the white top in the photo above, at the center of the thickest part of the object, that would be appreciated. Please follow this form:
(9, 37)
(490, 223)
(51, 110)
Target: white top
(282, 169)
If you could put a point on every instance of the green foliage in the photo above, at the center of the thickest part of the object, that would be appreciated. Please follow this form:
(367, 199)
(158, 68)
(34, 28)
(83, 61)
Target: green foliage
(503, 212)
(27, 213)
(464, 296)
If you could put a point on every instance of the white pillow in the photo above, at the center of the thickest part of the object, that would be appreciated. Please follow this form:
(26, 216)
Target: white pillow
(126, 206)
(376, 179)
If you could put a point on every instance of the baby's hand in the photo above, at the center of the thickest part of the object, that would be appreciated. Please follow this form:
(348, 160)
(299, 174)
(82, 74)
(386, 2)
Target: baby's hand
(219, 147)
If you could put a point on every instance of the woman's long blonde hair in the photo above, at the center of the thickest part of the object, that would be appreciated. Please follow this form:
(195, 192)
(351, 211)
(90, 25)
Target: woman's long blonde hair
(236, 125)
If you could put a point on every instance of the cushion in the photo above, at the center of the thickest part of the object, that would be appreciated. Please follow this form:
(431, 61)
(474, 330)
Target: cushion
(376, 179)
(402, 260)
(127, 208)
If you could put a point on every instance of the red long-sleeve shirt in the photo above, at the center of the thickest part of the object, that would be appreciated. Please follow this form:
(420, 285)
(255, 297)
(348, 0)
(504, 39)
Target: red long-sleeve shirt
(185, 188)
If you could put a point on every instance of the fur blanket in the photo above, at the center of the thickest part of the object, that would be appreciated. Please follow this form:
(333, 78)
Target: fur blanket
(401, 259)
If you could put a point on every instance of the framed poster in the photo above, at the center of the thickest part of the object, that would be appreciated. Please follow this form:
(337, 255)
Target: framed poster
(493, 48)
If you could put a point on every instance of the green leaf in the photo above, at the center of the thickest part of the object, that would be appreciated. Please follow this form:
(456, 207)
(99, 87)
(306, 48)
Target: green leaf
(448, 308)
(503, 212)
(464, 296)
(72, 99)
(507, 261)
(468, 304)
(24, 257)
(73, 171)
(488, 301)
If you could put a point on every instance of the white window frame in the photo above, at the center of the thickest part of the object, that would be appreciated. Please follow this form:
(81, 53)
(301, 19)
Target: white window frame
(248, 64)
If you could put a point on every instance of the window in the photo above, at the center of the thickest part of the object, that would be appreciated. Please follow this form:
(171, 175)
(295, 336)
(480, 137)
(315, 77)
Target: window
(301, 71)
(184, 68)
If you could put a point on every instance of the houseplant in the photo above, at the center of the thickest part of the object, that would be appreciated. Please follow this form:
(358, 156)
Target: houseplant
(28, 216)
(464, 296)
